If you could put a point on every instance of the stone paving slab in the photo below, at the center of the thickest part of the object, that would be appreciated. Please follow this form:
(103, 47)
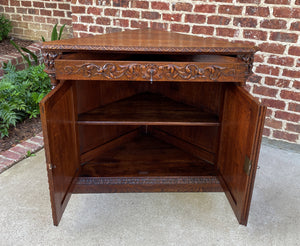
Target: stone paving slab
(152, 219)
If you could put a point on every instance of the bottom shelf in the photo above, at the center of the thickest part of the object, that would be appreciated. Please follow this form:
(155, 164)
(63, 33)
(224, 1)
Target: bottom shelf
(146, 164)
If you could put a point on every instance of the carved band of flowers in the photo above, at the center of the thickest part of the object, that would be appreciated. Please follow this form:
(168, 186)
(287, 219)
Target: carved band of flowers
(149, 71)
(145, 181)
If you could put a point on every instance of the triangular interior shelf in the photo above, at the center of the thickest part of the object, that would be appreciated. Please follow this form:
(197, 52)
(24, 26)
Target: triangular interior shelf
(148, 109)
(146, 156)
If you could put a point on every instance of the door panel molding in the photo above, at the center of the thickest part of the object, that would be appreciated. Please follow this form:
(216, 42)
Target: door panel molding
(241, 130)
(58, 119)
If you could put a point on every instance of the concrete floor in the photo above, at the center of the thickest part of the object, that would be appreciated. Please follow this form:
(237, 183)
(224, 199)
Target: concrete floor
(152, 218)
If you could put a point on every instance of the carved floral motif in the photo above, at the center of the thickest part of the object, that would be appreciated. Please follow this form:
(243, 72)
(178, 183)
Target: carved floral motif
(248, 59)
(149, 72)
(49, 58)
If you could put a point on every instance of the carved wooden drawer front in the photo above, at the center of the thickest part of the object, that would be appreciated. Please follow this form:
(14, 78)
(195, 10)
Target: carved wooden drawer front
(202, 68)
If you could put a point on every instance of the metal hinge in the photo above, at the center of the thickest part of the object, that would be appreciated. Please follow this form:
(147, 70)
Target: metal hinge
(51, 166)
(247, 165)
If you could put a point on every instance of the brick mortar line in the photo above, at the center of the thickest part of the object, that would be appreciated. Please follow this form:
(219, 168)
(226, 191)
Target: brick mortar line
(263, 4)
(294, 69)
(289, 87)
(183, 13)
(275, 65)
(229, 25)
(291, 68)
(206, 14)
(268, 55)
(290, 112)
(12, 161)
(217, 5)
(32, 142)
(39, 8)
(285, 130)
(278, 76)
(282, 139)
(284, 122)
(257, 42)
(192, 12)
(278, 98)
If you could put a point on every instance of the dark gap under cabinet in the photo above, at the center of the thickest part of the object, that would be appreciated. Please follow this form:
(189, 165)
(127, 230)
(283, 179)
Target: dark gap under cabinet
(150, 111)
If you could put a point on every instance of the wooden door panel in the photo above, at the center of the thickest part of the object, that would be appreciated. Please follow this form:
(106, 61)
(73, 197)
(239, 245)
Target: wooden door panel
(60, 134)
(241, 130)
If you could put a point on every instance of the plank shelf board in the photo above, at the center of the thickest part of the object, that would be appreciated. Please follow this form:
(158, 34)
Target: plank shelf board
(148, 109)
(146, 156)
(148, 161)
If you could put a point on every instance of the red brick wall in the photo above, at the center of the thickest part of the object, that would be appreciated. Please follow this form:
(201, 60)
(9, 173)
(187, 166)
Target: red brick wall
(18, 61)
(32, 19)
(272, 25)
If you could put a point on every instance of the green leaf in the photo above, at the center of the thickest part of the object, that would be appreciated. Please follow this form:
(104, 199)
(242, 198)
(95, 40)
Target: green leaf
(54, 33)
(29, 153)
(30, 53)
(61, 30)
(43, 39)
(20, 93)
(5, 86)
(16, 46)
(19, 50)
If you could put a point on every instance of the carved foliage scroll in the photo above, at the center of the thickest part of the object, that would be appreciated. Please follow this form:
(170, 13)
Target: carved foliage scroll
(149, 72)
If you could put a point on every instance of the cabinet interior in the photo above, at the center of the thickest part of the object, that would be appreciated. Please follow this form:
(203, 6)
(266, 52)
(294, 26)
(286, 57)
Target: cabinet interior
(135, 130)
(88, 56)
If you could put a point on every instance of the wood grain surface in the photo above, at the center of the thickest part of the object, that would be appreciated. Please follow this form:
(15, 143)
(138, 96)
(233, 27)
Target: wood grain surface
(148, 109)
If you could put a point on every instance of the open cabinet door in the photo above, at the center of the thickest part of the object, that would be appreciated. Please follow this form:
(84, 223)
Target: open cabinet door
(60, 135)
(241, 130)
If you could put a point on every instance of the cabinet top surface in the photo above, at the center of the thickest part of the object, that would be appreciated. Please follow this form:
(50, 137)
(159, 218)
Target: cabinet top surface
(148, 41)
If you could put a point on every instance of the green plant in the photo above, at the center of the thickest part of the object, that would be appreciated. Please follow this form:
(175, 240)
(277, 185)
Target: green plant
(29, 153)
(26, 58)
(20, 94)
(5, 27)
(55, 35)
(10, 105)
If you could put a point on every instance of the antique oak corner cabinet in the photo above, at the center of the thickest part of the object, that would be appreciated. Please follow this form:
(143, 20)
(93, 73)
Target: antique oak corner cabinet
(150, 111)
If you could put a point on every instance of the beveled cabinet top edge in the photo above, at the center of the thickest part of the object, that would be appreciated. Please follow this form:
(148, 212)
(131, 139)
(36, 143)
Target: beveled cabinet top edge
(148, 40)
